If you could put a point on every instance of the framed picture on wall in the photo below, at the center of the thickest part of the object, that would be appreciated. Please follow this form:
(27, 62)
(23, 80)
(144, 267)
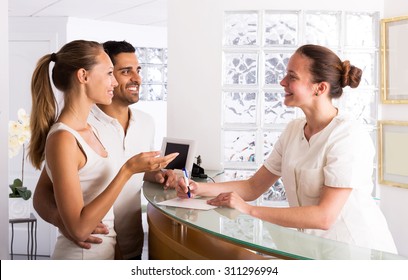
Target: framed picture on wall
(393, 153)
(394, 57)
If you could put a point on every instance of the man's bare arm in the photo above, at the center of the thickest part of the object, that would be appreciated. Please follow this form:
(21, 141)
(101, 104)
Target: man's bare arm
(44, 201)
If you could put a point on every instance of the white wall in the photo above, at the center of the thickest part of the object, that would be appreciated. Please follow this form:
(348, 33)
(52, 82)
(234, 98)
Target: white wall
(194, 80)
(101, 31)
(29, 39)
(393, 199)
(194, 76)
(4, 190)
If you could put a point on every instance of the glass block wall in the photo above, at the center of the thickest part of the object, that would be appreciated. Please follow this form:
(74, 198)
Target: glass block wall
(256, 48)
(154, 73)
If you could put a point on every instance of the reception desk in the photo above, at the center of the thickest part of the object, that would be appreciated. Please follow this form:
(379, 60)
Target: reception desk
(224, 233)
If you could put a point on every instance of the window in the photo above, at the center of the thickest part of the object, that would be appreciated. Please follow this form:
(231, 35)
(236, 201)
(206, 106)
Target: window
(154, 73)
(256, 48)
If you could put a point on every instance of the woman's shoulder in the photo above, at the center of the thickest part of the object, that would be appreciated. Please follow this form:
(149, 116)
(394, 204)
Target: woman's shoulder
(346, 120)
(346, 126)
(62, 134)
(60, 140)
(60, 126)
(60, 130)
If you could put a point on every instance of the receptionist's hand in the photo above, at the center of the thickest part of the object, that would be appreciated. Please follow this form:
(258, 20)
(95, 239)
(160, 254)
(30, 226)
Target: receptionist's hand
(182, 188)
(232, 200)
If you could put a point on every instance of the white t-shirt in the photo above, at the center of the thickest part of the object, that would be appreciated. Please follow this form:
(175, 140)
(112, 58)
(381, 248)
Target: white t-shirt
(341, 155)
(139, 138)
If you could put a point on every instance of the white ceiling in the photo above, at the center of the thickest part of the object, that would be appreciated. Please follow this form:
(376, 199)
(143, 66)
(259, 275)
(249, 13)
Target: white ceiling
(140, 12)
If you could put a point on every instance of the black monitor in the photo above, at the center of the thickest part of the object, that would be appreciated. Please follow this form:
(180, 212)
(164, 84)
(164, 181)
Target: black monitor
(186, 150)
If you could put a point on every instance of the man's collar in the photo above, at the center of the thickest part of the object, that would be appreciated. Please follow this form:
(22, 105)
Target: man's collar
(101, 115)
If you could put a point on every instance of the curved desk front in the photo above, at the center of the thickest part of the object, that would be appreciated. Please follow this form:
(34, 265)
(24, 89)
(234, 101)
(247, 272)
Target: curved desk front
(224, 233)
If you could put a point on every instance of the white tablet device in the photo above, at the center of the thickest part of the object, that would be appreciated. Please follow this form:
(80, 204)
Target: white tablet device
(186, 149)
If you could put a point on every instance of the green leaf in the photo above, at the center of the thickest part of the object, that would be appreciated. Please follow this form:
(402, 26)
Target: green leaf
(26, 194)
(19, 191)
(17, 183)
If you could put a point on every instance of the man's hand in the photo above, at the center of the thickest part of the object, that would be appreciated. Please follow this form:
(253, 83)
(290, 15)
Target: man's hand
(166, 177)
(87, 244)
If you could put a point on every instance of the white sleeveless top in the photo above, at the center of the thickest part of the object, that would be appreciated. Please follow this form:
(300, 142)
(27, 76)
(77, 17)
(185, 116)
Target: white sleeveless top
(94, 177)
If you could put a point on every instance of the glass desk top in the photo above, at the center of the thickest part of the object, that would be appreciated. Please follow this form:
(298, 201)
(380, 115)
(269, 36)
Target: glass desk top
(258, 235)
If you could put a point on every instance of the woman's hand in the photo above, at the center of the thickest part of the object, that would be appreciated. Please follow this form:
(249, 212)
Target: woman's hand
(232, 200)
(182, 188)
(148, 161)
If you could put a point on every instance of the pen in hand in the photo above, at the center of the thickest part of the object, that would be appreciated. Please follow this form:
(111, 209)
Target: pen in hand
(185, 175)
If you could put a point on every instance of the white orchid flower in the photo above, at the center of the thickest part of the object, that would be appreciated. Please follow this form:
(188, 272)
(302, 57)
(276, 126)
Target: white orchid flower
(19, 132)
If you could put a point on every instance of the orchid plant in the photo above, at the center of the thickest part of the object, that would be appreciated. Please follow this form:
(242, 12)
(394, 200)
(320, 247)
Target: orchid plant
(19, 134)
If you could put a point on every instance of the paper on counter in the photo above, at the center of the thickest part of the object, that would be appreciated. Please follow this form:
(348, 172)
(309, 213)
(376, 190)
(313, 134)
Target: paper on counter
(191, 203)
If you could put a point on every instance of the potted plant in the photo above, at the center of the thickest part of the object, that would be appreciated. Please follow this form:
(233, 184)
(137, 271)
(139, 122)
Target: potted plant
(18, 190)
(19, 134)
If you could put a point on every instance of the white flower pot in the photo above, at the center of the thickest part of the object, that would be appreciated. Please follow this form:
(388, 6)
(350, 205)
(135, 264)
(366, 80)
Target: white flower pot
(19, 208)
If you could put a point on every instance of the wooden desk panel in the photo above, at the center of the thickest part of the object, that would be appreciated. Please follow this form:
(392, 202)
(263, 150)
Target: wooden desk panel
(171, 240)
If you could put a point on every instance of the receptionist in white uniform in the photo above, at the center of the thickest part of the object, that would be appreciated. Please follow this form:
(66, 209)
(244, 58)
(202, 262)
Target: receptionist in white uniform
(325, 160)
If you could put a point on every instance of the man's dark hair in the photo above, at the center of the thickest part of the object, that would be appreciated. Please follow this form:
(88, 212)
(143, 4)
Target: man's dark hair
(113, 48)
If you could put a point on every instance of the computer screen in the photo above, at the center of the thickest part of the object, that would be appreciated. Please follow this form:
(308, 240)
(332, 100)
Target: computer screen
(181, 160)
(186, 150)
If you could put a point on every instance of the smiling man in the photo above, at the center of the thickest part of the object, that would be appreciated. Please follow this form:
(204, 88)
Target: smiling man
(125, 131)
